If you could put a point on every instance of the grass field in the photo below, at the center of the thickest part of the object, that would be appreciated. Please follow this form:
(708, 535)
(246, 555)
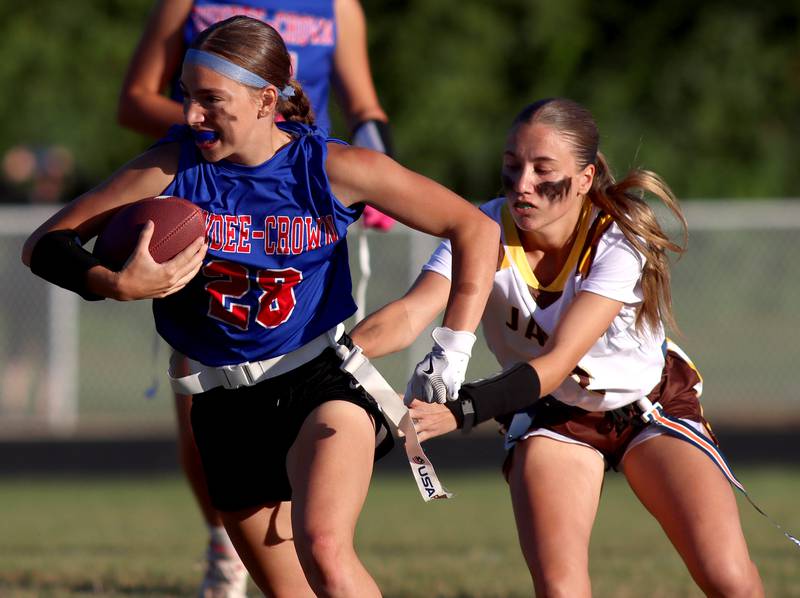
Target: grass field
(143, 537)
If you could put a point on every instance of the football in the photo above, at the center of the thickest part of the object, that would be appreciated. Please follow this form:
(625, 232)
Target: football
(177, 221)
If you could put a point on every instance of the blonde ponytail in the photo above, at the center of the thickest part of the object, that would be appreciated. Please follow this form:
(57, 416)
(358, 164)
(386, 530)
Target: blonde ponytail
(625, 202)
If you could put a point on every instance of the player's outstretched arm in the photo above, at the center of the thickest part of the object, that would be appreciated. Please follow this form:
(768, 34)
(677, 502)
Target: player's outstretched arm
(142, 105)
(360, 175)
(584, 321)
(587, 318)
(396, 325)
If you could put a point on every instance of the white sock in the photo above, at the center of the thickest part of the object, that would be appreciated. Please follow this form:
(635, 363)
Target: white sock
(220, 540)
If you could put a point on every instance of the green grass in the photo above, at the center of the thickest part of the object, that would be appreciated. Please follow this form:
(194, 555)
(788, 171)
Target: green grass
(143, 537)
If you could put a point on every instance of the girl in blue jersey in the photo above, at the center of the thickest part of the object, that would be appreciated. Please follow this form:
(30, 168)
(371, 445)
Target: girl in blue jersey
(287, 443)
(327, 42)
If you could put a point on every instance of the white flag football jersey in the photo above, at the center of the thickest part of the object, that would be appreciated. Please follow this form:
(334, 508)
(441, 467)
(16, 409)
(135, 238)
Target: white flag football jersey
(623, 365)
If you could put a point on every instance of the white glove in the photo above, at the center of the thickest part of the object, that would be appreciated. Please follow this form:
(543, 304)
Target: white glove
(439, 375)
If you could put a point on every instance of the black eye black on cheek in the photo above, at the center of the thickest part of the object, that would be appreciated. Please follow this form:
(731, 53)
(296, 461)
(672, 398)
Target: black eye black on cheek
(554, 190)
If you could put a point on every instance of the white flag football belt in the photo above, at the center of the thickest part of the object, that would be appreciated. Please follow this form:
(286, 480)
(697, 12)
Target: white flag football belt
(397, 416)
(202, 378)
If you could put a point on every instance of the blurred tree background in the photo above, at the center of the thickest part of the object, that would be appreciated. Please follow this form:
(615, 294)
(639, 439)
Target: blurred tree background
(704, 93)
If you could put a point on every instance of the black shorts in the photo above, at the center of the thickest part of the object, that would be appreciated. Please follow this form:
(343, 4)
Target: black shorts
(244, 435)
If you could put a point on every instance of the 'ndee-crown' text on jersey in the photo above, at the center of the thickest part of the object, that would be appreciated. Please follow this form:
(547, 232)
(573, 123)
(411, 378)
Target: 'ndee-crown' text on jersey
(521, 313)
(276, 274)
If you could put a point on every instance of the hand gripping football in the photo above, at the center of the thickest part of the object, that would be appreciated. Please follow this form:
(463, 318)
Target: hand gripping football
(177, 221)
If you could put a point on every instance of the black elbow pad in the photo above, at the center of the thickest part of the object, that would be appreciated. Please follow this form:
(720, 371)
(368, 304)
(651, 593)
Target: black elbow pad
(59, 258)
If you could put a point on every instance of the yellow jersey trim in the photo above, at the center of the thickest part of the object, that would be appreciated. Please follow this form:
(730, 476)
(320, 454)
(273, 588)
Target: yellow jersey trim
(514, 252)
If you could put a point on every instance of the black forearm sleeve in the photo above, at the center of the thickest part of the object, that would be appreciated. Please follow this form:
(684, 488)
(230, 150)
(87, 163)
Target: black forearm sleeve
(59, 257)
(516, 388)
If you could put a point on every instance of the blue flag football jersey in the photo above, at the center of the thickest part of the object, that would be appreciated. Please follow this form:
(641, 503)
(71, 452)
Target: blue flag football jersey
(308, 28)
(277, 272)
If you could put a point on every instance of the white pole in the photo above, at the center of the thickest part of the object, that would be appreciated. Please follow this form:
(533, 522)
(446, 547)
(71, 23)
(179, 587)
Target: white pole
(366, 272)
(62, 360)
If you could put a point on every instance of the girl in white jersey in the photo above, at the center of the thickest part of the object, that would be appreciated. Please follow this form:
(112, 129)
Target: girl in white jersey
(575, 320)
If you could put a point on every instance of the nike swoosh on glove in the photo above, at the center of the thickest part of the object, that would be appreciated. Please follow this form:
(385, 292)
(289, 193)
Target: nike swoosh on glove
(438, 377)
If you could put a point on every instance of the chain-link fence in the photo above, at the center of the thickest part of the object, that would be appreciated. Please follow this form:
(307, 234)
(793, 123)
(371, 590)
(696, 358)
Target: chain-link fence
(75, 368)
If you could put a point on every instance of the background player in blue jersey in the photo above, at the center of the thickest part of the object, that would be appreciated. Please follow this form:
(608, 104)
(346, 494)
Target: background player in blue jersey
(327, 42)
(288, 454)
(326, 39)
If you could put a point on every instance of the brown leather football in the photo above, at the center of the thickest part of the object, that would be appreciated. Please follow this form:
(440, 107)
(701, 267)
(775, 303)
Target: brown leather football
(177, 221)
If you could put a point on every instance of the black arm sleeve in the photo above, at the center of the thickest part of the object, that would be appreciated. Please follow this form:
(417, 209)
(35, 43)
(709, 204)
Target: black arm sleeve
(59, 257)
(516, 388)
